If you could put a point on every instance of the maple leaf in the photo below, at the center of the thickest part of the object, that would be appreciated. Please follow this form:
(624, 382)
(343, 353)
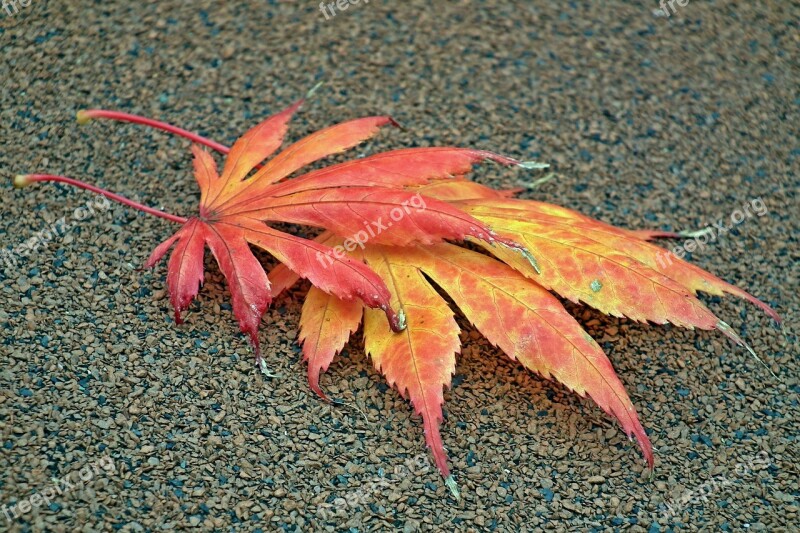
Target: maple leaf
(494, 298)
(537, 248)
(511, 306)
(235, 207)
(229, 233)
(611, 269)
(514, 313)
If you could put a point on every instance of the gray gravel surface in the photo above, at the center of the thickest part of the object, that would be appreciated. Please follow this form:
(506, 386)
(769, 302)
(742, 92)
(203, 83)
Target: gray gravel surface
(649, 122)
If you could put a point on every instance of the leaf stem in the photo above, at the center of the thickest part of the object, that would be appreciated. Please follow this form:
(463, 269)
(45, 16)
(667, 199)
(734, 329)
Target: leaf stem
(87, 115)
(23, 180)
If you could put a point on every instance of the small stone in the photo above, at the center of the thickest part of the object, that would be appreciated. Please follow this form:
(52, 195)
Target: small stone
(227, 51)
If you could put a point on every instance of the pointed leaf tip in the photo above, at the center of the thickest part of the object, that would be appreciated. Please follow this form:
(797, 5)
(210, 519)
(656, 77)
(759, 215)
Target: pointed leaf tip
(22, 180)
(694, 234)
(314, 89)
(450, 483)
(540, 181)
(396, 124)
(524, 252)
(727, 330)
(262, 366)
(533, 165)
(397, 321)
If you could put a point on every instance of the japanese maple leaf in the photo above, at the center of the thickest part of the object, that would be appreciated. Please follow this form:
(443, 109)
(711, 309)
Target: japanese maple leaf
(514, 313)
(537, 248)
(236, 206)
(582, 259)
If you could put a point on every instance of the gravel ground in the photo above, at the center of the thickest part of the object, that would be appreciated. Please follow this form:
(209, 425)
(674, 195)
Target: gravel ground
(649, 122)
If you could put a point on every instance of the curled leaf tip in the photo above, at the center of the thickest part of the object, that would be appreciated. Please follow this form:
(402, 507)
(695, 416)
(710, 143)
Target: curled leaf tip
(532, 165)
(397, 320)
(401, 320)
(22, 180)
(451, 484)
(83, 117)
(262, 366)
(529, 257)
